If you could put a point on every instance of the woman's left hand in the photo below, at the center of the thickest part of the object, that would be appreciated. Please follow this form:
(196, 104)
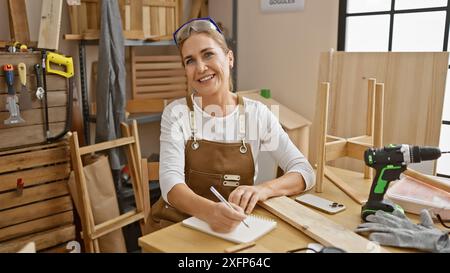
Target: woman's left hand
(246, 197)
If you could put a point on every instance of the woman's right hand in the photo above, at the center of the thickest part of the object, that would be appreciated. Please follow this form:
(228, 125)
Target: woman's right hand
(223, 219)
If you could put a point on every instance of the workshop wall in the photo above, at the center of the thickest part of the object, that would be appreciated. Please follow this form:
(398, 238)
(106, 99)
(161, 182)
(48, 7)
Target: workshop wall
(281, 50)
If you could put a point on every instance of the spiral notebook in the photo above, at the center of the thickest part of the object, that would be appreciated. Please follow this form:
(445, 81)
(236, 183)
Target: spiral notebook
(258, 227)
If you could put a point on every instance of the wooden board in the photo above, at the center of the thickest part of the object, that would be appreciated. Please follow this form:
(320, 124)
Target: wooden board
(288, 118)
(37, 225)
(18, 21)
(342, 185)
(35, 211)
(42, 240)
(414, 88)
(20, 161)
(318, 227)
(50, 26)
(34, 117)
(54, 83)
(136, 12)
(33, 194)
(145, 106)
(35, 176)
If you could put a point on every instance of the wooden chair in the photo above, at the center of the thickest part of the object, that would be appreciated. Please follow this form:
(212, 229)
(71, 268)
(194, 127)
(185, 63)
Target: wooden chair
(149, 171)
(333, 147)
(91, 231)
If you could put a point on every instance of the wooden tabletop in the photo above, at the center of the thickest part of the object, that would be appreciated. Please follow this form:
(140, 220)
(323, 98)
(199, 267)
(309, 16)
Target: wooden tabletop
(288, 118)
(284, 237)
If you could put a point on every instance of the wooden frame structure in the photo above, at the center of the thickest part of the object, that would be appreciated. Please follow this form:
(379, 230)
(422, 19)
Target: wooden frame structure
(91, 231)
(333, 147)
(141, 19)
(157, 77)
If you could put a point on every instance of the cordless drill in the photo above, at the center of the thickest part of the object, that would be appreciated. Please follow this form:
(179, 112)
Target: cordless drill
(389, 162)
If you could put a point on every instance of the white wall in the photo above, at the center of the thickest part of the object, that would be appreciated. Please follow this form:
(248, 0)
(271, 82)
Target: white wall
(281, 51)
(222, 11)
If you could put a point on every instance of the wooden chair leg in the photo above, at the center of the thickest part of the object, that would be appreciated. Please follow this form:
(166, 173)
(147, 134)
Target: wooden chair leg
(147, 228)
(142, 194)
(379, 110)
(368, 173)
(85, 210)
(323, 99)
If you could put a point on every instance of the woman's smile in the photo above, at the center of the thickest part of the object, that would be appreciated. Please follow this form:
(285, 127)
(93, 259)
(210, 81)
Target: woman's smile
(206, 79)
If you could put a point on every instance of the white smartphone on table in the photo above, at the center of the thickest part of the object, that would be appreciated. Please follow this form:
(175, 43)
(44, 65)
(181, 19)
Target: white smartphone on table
(320, 203)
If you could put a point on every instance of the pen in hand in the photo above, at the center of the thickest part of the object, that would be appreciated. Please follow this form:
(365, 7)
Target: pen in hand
(218, 195)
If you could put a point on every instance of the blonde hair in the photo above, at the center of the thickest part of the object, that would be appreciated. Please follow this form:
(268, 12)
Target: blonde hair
(216, 36)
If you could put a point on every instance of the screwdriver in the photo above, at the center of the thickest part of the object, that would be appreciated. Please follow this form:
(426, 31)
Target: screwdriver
(11, 99)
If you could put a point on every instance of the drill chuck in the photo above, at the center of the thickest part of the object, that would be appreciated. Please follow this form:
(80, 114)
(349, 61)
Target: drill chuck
(424, 153)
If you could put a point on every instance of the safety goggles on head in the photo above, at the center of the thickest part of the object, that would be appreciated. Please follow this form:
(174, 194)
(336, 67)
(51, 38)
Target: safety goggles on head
(197, 24)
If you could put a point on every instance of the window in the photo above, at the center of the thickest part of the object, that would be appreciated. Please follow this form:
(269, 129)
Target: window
(400, 25)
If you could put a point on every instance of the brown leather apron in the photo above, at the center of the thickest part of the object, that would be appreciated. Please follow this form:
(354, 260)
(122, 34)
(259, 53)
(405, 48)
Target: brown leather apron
(207, 163)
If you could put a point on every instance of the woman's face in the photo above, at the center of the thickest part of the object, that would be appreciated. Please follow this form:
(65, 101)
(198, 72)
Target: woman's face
(207, 65)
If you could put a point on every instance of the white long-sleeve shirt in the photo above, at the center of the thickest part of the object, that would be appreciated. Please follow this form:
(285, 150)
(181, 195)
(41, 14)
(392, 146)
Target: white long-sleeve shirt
(263, 133)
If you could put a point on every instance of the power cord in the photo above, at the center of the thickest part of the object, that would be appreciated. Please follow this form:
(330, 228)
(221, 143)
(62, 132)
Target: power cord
(442, 221)
(330, 249)
(301, 249)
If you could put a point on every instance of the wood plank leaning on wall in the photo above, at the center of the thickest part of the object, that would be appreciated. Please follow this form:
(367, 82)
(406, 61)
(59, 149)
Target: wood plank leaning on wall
(50, 26)
(18, 21)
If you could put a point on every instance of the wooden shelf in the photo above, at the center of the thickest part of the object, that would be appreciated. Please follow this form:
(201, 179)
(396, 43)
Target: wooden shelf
(128, 42)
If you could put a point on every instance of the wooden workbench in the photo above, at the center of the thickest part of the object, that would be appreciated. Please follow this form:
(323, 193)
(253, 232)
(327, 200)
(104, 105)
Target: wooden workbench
(178, 238)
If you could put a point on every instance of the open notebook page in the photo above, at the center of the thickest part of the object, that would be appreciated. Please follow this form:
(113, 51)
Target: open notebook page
(257, 228)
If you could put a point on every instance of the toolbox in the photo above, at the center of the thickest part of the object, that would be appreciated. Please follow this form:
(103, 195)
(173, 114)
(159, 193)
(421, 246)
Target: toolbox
(32, 130)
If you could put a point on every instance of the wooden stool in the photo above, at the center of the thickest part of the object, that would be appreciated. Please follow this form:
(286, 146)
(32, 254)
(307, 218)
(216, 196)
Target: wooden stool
(333, 147)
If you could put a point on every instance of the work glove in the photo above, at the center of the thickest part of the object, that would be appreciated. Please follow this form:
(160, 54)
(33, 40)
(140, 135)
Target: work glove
(395, 229)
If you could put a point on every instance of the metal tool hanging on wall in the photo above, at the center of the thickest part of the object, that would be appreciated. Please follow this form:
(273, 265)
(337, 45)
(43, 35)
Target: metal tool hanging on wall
(11, 98)
(40, 88)
(67, 63)
(54, 63)
(24, 96)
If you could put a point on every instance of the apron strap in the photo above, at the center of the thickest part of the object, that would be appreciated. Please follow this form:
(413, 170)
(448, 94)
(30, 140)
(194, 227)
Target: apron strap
(241, 121)
(191, 118)
(189, 102)
(242, 124)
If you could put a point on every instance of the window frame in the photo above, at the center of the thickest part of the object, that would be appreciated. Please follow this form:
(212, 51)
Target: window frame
(342, 25)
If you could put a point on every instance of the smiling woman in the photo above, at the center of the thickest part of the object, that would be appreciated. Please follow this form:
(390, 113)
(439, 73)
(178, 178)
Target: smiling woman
(214, 41)
(213, 138)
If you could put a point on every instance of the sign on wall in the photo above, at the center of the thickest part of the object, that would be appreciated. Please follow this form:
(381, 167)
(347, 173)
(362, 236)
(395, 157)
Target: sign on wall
(282, 5)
